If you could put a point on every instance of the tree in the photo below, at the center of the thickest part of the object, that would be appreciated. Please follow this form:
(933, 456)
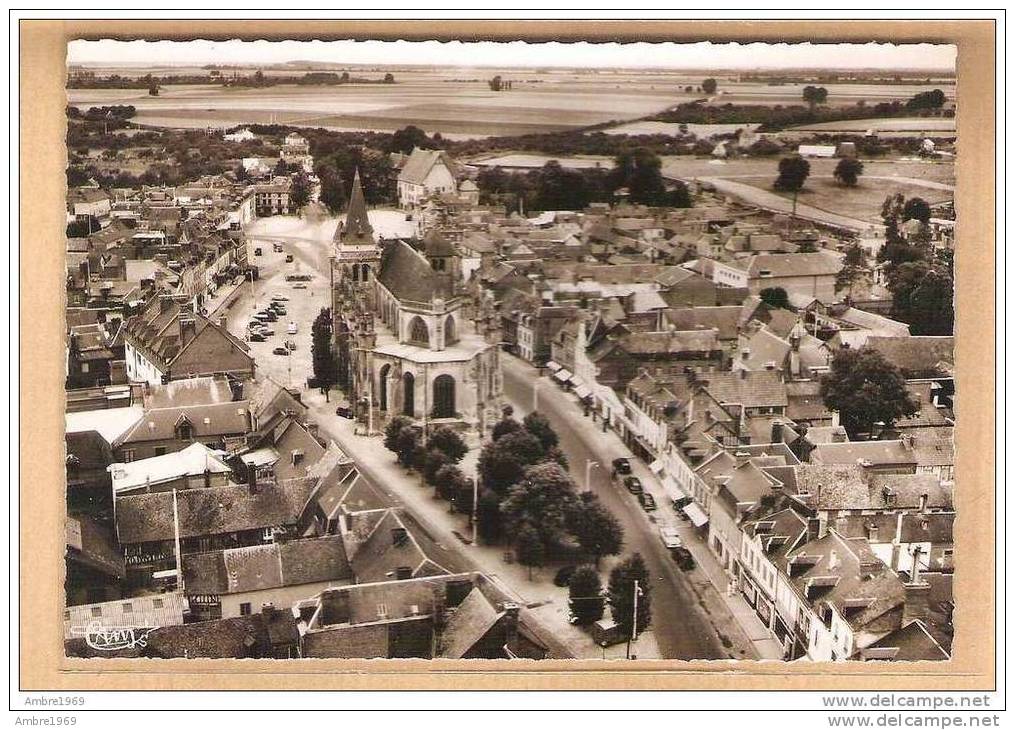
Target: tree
(505, 426)
(775, 297)
(709, 86)
(496, 83)
(389, 78)
(539, 426)
(322, 353)
(433, 462)
(406, 139)
(848, 171)
(764, 147)
(585, 595)
(793, 172)
(922, 296)
(393, 429)
(333, 193)
(854, 268)
(408, 444)
(595, 528)
(529, 548)
(622, 595)
(916, 209)
(489, 523)
(544, 498)
(927, 100)
(451, 482)
(815, 95)
(865, 389)
(640, 171)
(299, 194)
(448, 442)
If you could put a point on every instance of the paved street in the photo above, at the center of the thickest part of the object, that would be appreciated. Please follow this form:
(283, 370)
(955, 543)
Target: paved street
(680, 620)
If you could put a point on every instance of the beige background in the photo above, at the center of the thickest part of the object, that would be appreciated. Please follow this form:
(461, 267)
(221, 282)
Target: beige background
(42, 155)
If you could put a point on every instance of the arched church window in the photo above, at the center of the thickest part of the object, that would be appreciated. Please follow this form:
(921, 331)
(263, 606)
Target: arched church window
(444, 397)
(418, 332)
(450, 333)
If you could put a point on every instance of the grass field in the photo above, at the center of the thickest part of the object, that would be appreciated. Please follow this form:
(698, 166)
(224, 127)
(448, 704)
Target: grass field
(929, 125)
(863, 201)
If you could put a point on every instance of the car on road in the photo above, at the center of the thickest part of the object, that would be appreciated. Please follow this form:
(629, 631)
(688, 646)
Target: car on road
(293, 328)
(670, 537)
(257, 337)
(683, 558)
(291, 345)
(280, 351)
(280, 298)
(633, 485)
(648, 502)
(268, 332)
(344, 410)
(299, 286)
(276, 247)
(257, 251)
(289, 258)
(269, 315)
(621, 467)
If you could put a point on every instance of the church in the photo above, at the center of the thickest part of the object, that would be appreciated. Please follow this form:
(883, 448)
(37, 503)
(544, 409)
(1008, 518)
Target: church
(409, 338)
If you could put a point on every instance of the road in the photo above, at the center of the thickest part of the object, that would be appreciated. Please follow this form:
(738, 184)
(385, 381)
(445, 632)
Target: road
(681, 629)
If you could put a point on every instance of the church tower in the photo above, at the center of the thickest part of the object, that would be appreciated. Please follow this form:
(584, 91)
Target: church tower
(357, 254)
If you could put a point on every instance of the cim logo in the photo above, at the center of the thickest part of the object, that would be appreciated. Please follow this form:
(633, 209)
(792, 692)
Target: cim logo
(113, 638)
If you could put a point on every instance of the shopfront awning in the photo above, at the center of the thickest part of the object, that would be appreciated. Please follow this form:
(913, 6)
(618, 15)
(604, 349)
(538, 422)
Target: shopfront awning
(696, 514)
(562, 375)
(552, 366)
(582, 391)
(674, 490)
(656, 466)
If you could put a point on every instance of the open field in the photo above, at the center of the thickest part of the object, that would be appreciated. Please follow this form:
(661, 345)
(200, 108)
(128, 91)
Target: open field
(933, 126)
(703, 131)
(458, 102)
(862, 202)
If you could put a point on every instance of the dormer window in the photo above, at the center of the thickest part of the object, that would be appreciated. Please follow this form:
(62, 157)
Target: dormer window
(184, 429)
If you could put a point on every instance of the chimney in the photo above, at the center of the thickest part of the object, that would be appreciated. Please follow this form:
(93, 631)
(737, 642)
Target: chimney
(165, 304)
(776, 432)
(816, 528)
(399, 536)
(252, 479)
(188, 329)
(917, 604)
(743, 375)
(923, 502)
(207, 477)
(907, 441)
(835, 419)
(745, 353)
(833, 560)
(223, 321)
(236, 386)
(872, 532)
(511, 611)
(742, 458)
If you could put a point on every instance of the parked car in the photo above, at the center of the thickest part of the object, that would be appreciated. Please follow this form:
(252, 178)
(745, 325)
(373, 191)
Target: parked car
(268, 332)
(563, 576)
(670, 537)
(291, 345)
(277, 247)
(257, 337)
(289, 258)
(257, 251)
(270, 316)
(280, 351)
(683, 558)
(344, 410)
(280, 298)
(281, 311)
(648, 502)
(633, 485)
(299, 286)
(621, 467)
(293, 328)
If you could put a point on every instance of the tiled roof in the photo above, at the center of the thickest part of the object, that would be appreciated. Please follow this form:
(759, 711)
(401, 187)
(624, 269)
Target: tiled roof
(419, 164)
(911, 643)
(749, 389)
(851, 487)
(192, 461)
(915, 356)
(210, 511)
(207, 421)
(409, 276)
(471, 621)
(878, 453)
(260, 567)
(379, 556)
(723, 319)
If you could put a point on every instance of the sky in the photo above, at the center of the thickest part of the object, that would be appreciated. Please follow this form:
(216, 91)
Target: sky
(704, 55)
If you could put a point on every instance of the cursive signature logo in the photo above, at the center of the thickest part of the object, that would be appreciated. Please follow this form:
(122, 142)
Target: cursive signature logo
(112, 638)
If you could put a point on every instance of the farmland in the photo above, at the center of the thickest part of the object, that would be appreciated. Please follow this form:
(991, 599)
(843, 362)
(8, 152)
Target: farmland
(458, 102)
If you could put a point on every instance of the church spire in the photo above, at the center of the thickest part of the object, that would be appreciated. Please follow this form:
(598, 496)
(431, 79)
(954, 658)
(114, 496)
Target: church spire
(357, 223)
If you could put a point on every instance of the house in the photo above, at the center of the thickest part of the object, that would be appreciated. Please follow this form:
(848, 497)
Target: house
(880, 457)
(89, 356)
(84, 202)
(622, 354)
(240, 581)
(193, 467)
(270, 634)
(287, 450)
(89, 486)
(215, 518)
(425, 173)
(273, 198)
(94, 562)
(810, 274)
(166, 342)
(240, 135)
(170, 429)
(143, 612)
(459, 616)
(816, 150)
(910, 643)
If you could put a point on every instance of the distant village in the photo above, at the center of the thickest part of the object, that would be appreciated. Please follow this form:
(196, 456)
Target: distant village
(783, 431)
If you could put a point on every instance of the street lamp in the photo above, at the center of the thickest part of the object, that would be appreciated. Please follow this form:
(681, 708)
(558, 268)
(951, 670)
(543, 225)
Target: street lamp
(589, 463)
(535, 396)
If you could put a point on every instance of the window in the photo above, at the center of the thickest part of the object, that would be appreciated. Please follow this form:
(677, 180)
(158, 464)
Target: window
(128, 608)
(128, 456)
(160, 450)
(157, 603)
(96, 611)
(444, 397)
(418, 332)
(84, 367)
(382, 610)
(244, 609)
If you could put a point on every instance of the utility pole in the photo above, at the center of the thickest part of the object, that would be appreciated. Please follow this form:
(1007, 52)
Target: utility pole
(475, 511)
(634, 619)
(176, 539)
(589, 463)
(535, 396)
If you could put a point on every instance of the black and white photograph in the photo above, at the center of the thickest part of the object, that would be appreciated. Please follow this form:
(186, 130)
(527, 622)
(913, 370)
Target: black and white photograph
(477, 350)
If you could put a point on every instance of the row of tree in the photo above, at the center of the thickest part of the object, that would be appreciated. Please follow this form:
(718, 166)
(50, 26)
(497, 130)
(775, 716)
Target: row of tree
(629, 578)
